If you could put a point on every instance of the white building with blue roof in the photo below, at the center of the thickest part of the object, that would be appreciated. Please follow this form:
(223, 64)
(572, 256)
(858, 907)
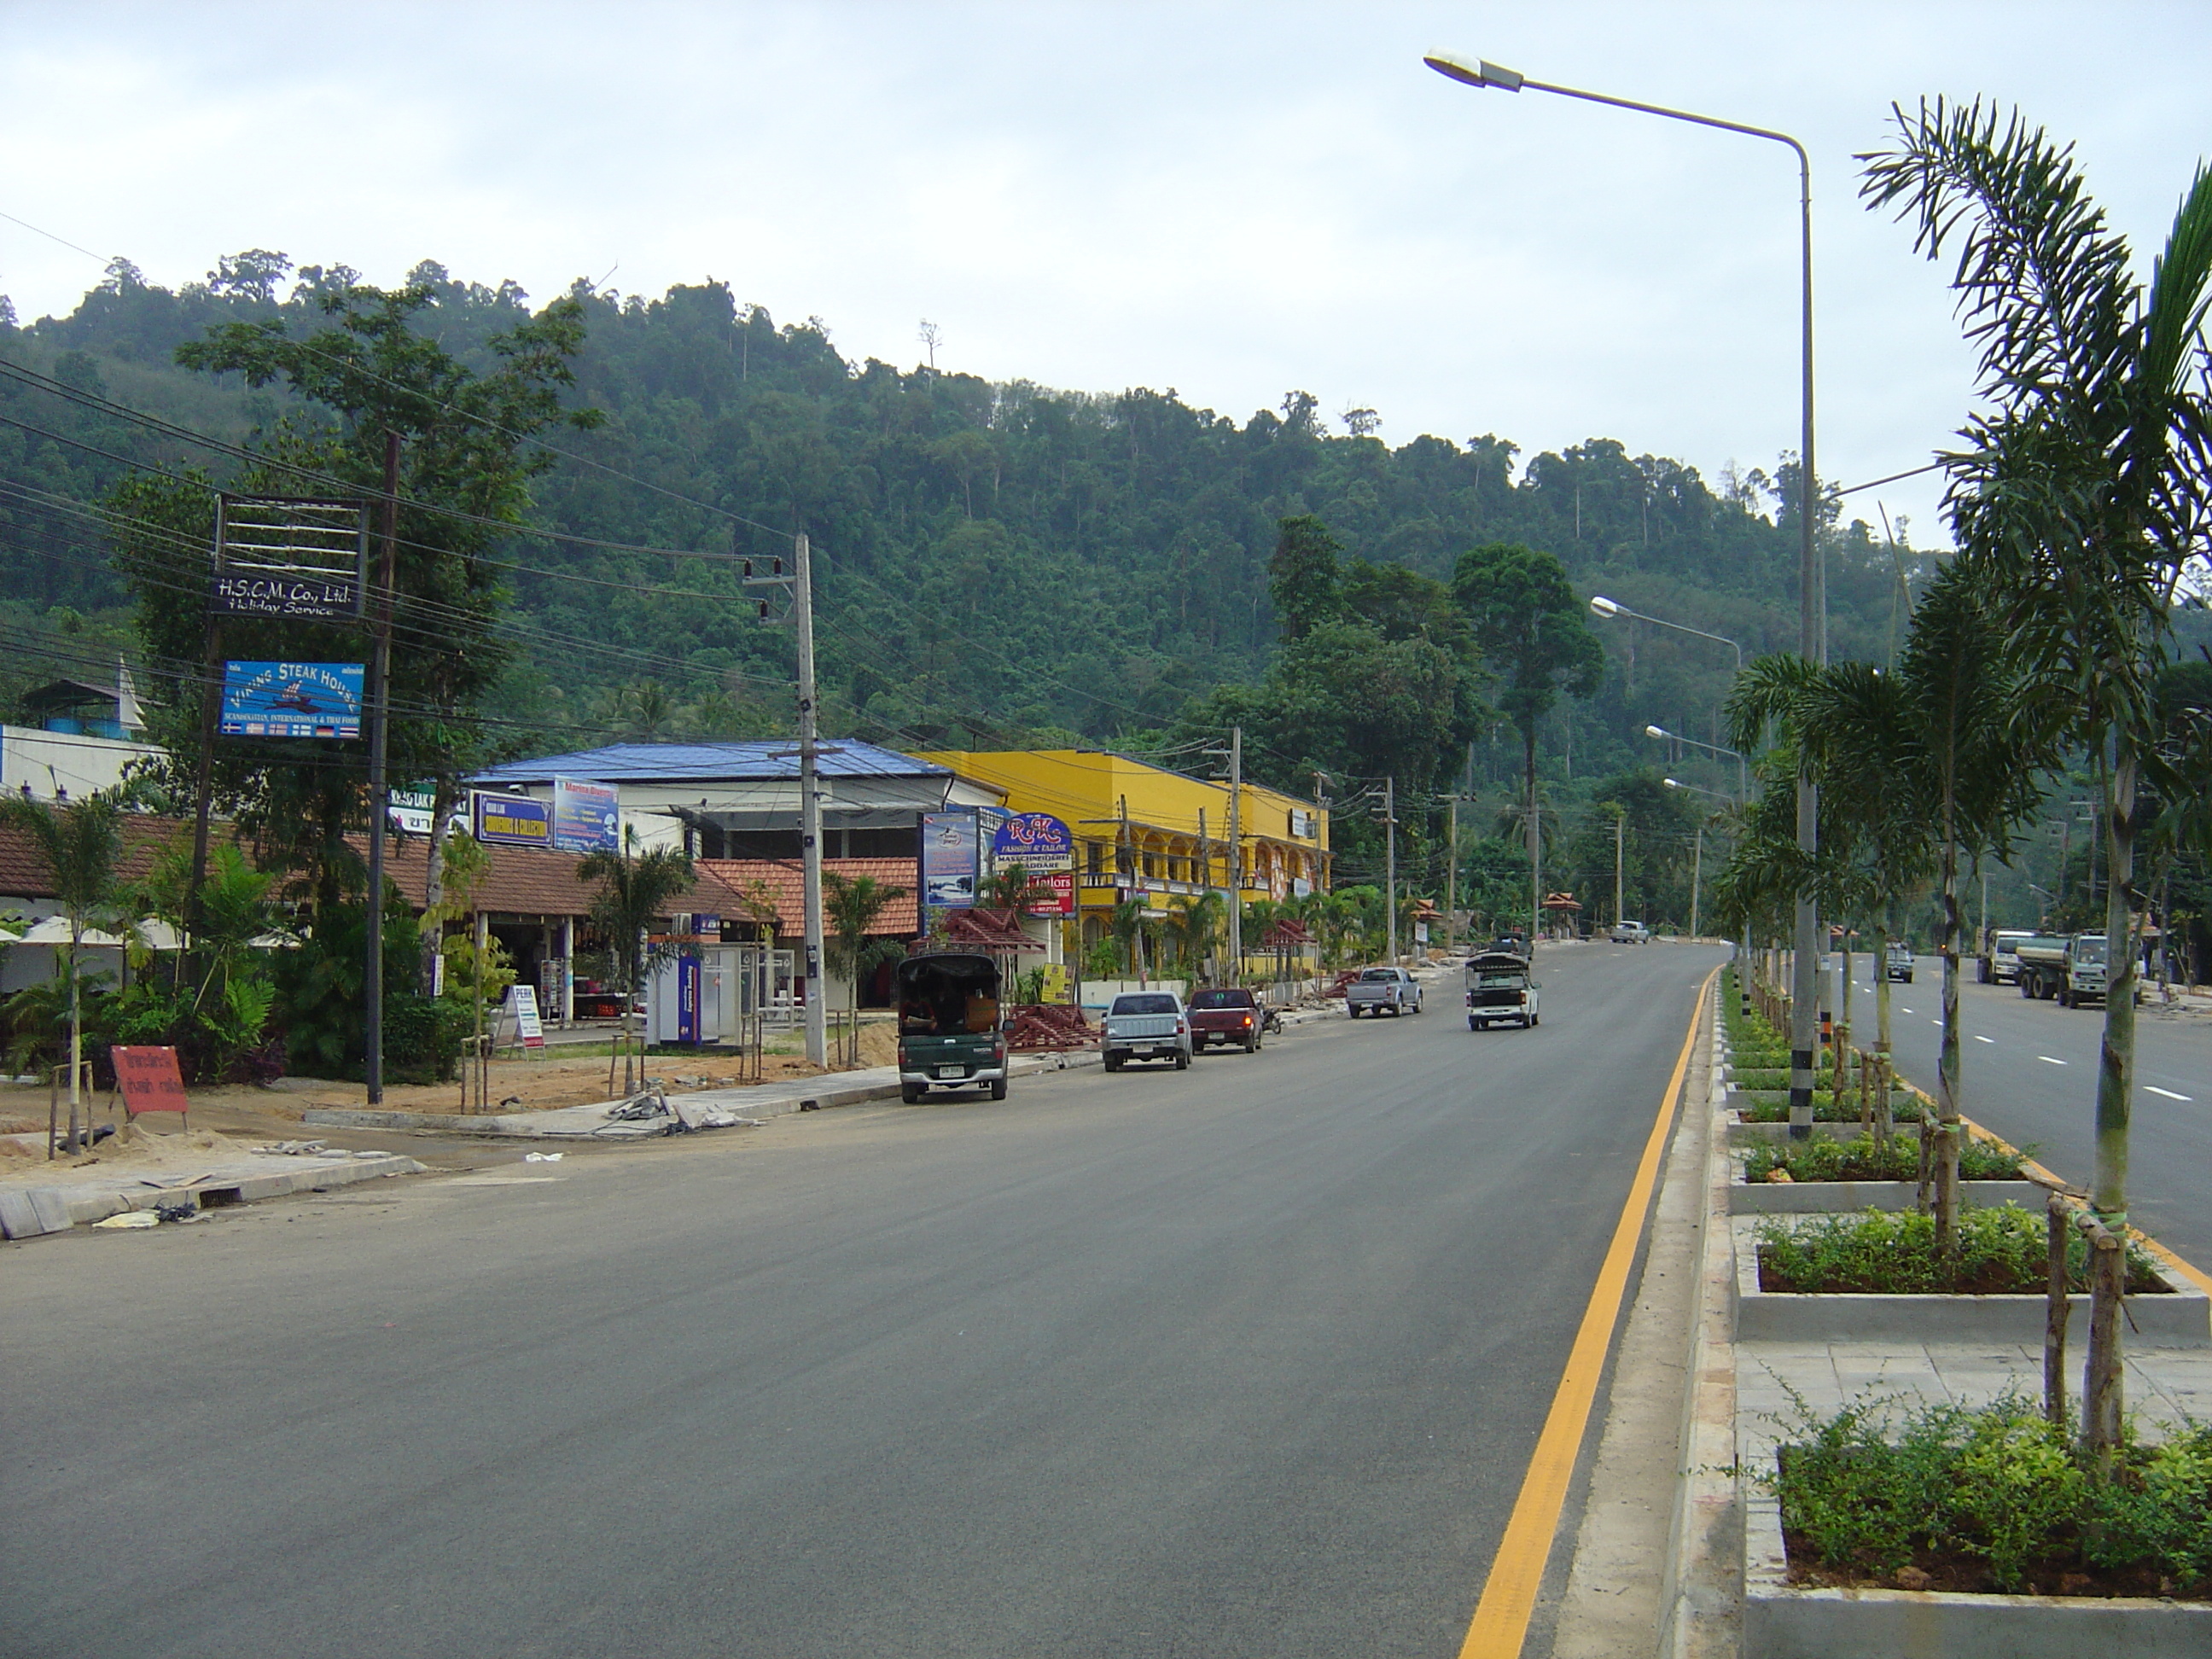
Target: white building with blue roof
(741, 799)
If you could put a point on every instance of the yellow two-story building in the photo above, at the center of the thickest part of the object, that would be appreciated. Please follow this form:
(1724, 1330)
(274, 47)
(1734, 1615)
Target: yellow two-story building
(1144, 831)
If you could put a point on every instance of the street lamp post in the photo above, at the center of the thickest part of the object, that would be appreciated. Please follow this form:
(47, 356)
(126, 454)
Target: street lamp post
(1812, 635)
(1697, 860)
(1614, 608)
(1741, 792)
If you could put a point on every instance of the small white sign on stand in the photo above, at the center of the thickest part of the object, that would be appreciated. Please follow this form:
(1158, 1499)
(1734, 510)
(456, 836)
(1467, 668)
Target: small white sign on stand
(522, 1001)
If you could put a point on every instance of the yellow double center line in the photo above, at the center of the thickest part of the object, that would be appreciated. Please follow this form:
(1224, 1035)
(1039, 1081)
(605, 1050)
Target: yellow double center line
(1508, 1595)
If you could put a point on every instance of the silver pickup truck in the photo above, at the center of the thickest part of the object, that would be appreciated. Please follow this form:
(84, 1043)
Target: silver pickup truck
(1146, 1025)
(1378, 988)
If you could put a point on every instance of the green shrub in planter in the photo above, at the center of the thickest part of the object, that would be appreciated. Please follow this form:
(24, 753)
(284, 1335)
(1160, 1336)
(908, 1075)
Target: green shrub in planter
(1772, 1106)
(1862, 1160)
(2001, 1251)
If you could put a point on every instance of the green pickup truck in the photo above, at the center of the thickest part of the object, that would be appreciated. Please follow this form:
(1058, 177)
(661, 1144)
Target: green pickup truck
(950, 1035)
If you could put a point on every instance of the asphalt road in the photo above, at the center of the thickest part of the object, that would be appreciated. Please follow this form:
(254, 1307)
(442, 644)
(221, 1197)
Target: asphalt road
(1247, 1359)
(2028, 1069)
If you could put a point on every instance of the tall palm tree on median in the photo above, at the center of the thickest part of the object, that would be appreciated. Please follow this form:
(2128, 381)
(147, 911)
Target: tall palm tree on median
(2082, 492)
(1918, 765)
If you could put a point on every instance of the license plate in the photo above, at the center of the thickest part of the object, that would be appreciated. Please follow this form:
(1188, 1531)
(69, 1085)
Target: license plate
(952, 1071)
(1148, 1047)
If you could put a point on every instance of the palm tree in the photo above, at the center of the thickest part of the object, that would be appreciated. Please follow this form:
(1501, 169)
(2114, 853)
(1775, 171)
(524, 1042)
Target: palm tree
(852, 905)
(1194, 925)
(1125, 922)
(2083, 489)
(81, 842)
(1913, 767)
(635, 891)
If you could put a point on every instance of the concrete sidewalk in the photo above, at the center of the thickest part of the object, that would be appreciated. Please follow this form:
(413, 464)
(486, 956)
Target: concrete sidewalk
(27, 1210)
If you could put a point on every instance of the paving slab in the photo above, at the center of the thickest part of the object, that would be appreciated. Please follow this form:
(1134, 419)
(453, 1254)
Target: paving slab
(58, 1209)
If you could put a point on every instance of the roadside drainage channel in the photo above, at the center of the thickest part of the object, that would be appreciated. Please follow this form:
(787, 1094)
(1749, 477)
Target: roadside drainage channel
(30, 1211)
(1760, 1355)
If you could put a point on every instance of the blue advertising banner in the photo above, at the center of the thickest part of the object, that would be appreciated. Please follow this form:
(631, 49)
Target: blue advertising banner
(948, 845)
(512, 820)
(687, 999)
(1033, 841)
(292, 699)
(587, 817)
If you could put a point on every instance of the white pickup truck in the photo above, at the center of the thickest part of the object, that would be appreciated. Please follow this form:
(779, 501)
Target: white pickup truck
(1146, 1025)
(1378, 988)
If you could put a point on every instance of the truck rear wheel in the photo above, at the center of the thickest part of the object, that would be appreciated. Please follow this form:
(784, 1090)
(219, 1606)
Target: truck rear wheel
(999, 1089)
(910, 1093)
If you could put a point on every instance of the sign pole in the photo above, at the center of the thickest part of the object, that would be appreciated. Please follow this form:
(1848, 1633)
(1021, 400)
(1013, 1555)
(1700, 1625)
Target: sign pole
(379, 675)
(1235, 855)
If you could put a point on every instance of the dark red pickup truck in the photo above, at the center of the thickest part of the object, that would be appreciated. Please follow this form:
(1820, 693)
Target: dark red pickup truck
(1231, 1018)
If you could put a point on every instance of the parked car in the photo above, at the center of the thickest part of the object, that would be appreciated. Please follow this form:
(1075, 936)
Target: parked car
(1232, 1017)
(1897, 960)
(1498, 990)
(1630, 932)
(1378, 988)
(949, 1031)
(1146, 1025)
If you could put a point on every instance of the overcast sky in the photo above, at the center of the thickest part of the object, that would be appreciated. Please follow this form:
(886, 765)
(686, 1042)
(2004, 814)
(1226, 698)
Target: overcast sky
(1230, 199)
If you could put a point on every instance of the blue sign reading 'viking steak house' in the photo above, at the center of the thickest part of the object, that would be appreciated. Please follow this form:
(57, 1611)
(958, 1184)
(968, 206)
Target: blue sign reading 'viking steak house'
(292, 699)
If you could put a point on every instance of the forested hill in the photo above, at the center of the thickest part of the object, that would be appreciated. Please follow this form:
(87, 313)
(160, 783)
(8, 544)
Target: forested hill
(994, 560)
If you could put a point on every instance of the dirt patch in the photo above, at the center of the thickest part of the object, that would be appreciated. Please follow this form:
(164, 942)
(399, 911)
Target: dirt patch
(2061, 1574)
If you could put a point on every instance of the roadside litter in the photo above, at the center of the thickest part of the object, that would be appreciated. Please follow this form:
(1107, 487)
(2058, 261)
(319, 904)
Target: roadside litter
(130, 1220)
(543, 1158)
(653, 1106)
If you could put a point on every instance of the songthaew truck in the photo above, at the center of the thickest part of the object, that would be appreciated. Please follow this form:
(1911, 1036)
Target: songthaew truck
(2068, 968)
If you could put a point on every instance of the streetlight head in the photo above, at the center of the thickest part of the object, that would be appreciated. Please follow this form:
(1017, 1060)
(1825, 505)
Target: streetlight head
(1670, 783)
(1603, 606)
(1656, 732)
(1477, 74)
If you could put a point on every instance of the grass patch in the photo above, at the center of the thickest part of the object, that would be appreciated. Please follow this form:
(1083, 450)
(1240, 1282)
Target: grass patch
(1863, 1160)
(2003, 1251)
(1992, 1499)
(1772, 1106)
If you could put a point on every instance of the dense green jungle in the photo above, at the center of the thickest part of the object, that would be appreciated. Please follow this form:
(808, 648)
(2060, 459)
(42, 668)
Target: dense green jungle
(997, 563)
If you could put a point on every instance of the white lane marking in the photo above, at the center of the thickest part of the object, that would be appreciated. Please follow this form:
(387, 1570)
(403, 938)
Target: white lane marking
(1979, 1038)
(2047, 1060)
(2168, 1093)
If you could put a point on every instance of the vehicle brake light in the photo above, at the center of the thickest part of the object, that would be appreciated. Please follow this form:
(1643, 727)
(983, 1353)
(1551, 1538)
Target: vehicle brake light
(1179, 1028)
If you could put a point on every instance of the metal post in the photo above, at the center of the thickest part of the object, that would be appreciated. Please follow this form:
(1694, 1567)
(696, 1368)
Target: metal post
(1235, 855)
(1697, 875)
(1391, 858)
(1451, 882)
(1619, 826)
(809, 807)
(379, 698)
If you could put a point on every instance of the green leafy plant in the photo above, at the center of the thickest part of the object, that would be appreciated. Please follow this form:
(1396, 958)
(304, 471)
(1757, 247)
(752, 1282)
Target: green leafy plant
(1993, 1498)
(1824, 1159)
(2001, 1251)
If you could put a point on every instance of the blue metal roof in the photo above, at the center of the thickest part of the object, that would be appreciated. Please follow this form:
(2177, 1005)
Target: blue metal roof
(685, 762)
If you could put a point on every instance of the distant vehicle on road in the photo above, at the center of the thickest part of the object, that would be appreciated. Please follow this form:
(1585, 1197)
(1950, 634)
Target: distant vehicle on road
(1232, 1017)
(1380, 989)
(2068, 968)
(1897, 960)
(2000, 960)
(949, 1031)
(1630, 933)
(1499, 990)
(1147, 1025)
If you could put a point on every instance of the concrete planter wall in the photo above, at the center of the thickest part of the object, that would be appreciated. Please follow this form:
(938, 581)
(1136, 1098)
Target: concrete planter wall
(1841, 1197)
(2182, 1318)
(1784, 1621)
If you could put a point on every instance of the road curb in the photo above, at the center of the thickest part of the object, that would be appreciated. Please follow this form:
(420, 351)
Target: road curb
(29, 1212)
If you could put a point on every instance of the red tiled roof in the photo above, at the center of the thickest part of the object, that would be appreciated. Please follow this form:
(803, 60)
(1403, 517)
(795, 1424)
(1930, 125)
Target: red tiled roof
(778, 881)
(994, 929)
(24, 874)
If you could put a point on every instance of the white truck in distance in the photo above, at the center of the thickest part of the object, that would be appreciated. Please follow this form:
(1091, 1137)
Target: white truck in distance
(1380, 989)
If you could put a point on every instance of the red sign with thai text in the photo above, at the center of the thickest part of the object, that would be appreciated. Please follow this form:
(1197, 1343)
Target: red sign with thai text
(149, 1080)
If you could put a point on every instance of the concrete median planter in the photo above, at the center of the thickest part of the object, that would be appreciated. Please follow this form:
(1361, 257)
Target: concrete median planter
(2182, 1318)
(1782, 1620)
(1839, 1197)
(1741, 1133)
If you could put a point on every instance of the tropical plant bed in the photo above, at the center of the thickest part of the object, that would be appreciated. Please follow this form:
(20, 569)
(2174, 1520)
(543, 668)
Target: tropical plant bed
(1895, 1252)
(1772, 1106)
(1861, 1159)
(1895, 1546)
(1830, 1175)
(1778, 1077)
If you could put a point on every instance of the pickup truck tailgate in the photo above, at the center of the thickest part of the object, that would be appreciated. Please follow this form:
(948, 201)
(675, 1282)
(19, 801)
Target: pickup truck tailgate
(1143, 1026)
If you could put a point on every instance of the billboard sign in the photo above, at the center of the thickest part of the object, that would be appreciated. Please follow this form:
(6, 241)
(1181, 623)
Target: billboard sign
(410, 811)
(1051, 893)
(1033, 841)
(512, 820)
(529, 1029)
(948, 859)
(587, 817)
(292, 699)
(280, 555)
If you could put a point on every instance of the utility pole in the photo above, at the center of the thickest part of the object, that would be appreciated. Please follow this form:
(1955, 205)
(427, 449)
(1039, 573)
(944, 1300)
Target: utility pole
(1620, 822)
(380, 699)
(801, 583)
(810, 809)
(1235, 855)
(1697, 876)
(1535, 873)
(1391, 858)
(1451, 882)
